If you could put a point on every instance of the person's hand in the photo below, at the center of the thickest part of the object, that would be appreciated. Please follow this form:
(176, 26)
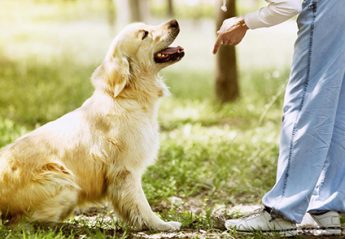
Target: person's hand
(231, 32)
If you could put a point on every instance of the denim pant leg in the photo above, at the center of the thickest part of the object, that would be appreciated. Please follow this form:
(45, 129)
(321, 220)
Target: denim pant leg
(310, 106)
(329, 193)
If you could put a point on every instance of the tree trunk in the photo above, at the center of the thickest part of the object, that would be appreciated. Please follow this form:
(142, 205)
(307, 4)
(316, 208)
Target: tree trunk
(110, 8)
(170, 8)
(136, 14)
(227, 87)
(128, 11)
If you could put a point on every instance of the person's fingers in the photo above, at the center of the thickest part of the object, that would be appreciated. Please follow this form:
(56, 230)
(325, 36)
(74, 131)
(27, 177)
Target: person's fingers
(237, 40)
(233, 42)
(218, 43)
(227, 42)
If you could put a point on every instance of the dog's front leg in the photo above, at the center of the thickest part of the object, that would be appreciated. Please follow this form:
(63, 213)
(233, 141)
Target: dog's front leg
(131, 205)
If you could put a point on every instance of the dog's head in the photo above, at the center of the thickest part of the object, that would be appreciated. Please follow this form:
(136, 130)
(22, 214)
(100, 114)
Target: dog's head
(139, 51)
(148, 45)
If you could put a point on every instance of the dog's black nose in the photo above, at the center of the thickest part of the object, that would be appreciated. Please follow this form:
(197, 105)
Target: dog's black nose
(173, 24)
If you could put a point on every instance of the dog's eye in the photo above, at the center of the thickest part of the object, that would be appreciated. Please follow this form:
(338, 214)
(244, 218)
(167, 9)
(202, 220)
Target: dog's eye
(145, 34)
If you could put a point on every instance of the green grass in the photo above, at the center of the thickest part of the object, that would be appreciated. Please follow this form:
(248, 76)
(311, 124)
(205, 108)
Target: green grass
(210, 155)
(33, 92)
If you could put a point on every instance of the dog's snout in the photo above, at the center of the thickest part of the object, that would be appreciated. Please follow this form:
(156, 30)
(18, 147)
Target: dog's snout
(174, 24)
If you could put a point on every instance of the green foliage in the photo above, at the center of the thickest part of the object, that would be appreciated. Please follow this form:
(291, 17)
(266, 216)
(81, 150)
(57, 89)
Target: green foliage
(33, 93)
(210, 153)
(9, 131)
(55, 10)
(217, 154)
(195, 11)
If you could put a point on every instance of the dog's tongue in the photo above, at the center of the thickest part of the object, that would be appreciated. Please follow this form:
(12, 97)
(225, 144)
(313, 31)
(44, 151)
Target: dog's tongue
(171, 50)
(169, 54)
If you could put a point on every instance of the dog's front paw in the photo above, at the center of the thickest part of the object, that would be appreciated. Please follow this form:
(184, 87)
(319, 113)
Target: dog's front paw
(170, 226)
(175, 226)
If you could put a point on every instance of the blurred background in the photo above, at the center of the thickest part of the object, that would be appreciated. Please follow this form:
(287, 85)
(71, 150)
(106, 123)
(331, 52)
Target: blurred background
(220, 126)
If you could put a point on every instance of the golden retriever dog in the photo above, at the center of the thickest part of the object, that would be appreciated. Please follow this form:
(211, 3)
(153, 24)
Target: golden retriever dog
(100, 150)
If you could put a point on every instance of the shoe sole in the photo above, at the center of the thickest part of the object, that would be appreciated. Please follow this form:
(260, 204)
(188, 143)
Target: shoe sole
(321, 231)
(283, 233)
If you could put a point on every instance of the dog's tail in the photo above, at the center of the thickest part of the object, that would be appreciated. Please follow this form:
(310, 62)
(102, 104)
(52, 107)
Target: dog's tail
(57, 173)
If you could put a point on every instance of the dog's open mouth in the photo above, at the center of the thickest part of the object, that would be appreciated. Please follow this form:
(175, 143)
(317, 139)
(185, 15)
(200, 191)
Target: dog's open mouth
(170, 54)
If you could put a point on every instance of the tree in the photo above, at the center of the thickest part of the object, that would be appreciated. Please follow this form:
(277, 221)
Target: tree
(170, 8)
(110, 9)
(131, 11)
(226, 81)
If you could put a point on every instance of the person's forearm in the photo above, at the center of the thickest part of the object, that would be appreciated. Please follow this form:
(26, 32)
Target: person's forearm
(276, 12)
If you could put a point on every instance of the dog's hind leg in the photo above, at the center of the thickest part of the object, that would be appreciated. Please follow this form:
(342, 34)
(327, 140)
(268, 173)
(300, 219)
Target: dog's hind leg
(49, 196)
(131, 205)
(59, 191)
(57, 208)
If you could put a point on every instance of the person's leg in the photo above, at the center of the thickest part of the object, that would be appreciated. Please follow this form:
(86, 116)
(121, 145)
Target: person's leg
(328, 197)
(329, 194)
(311, 102)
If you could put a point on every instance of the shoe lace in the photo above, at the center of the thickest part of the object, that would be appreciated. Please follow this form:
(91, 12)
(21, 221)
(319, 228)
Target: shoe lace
(259, 211)
(256, 212)
(273, 214)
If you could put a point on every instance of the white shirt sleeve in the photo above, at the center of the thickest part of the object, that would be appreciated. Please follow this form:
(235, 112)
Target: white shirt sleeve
(277, 11)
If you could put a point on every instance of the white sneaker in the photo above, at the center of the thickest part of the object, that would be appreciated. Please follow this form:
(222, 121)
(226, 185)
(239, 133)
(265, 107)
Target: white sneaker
(327, 224)
(263, 222)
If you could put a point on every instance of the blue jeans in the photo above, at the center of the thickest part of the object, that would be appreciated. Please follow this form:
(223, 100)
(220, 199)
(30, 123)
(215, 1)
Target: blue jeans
(311, 165)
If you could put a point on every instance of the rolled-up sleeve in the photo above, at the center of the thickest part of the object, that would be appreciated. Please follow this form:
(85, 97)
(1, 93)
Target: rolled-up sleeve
(277, 11)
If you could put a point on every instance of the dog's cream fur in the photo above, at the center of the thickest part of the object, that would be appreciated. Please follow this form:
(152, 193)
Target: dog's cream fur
(100, 150)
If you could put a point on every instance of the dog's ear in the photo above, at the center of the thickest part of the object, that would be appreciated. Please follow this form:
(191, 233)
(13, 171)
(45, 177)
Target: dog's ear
(112, 76)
